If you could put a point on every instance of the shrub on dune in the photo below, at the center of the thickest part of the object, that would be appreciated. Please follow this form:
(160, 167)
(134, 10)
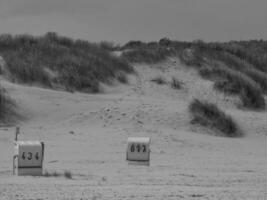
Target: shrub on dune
(55, 174)
(122, 77)
(7, 112)
(234, 82)
(77, 64)
(176, 84)
(147, 55)
(259, 77)
(209, 115)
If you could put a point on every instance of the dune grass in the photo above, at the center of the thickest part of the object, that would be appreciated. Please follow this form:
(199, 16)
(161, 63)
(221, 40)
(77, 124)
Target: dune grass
(51, 174)
(239, 72)
(160, 80)
(66, 174)
(152, 52)
(233, 62)
(253, 52)
(259, 77)
(191, 57)
(236, 67)
(176, 84)
(56, 61)
(234, 82)
(121, 77)
(209, 115)
(59, 62)
(8, 114)
(147, 55)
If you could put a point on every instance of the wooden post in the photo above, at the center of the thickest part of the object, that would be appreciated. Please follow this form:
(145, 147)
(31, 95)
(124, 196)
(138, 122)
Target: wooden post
(17, 132)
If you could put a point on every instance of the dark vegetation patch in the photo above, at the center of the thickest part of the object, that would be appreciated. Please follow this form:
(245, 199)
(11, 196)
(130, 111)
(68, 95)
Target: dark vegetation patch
(176, 84)
(66, 174)
(259, 77)
(121, 77)
(147, 55)
(240, 67)
(237, 83)
(160, 80)
(151, 52)
(7, 109)
(56, 61)
(209, 115)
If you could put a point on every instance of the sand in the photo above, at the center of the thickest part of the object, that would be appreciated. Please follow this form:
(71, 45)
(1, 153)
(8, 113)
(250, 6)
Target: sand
(86, 134)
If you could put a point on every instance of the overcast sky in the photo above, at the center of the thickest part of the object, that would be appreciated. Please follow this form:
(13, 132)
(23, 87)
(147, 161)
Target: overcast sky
(147, 20)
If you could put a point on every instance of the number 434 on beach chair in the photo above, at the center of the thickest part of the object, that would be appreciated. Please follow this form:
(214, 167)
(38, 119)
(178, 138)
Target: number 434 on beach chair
(28, 158)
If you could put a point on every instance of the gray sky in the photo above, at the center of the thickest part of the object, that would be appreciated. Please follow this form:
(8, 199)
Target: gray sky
(147, 20)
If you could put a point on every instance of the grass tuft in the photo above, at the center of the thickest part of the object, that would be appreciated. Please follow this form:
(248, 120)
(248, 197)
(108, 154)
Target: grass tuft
(54, 61)
(7, 108)
(235, 82)
(66, 174)
(160, 80)
(176, 84)
(259, 77)
(209, 115)
(139, 52)
(51, 174)
(122, 77)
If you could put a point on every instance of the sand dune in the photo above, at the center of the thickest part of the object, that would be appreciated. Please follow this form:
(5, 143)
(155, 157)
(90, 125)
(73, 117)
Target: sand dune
(86, 134)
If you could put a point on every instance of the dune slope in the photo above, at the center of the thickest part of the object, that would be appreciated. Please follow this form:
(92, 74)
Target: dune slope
(86, 134)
